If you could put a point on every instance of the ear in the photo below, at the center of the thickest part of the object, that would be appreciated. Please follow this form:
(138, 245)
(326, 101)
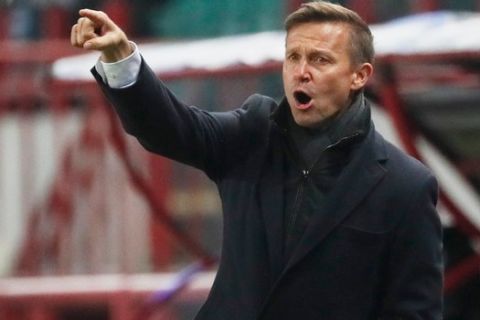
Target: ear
(361, 76)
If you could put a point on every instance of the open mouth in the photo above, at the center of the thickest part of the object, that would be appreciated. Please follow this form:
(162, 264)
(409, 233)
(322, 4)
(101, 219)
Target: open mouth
(302, 98)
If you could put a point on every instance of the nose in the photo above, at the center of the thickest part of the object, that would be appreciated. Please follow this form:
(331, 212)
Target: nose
(302, 71)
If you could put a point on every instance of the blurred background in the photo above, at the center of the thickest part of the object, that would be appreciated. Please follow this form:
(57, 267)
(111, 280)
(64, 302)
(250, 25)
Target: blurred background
(94, 227)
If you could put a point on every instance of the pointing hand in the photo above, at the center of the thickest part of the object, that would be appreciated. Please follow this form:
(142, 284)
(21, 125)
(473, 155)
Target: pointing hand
(96, 31)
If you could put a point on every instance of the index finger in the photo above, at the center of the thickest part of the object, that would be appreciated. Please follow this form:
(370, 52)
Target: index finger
(98, 17)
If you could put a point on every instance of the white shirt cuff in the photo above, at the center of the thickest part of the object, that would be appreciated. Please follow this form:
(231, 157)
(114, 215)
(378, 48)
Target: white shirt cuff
(123, 73)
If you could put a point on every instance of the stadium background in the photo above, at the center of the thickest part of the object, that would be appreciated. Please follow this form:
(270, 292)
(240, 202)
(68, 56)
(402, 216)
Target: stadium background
(93, 227)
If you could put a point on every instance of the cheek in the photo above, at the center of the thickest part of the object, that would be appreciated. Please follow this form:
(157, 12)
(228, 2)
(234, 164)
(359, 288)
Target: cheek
(284, 77)
(288, 84)
(338, 85)
(286, 74)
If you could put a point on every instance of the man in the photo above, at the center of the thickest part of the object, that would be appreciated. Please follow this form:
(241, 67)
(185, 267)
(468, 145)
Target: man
(323, 218)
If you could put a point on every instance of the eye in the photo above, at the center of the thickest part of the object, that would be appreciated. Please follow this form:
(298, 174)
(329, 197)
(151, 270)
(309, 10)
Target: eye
(318, 59)
(293, 56)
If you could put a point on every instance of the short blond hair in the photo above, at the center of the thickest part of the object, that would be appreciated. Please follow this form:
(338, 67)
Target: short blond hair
(361, 38)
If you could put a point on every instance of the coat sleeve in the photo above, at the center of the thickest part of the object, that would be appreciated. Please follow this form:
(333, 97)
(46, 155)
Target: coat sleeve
(415, 271)
(164, 125)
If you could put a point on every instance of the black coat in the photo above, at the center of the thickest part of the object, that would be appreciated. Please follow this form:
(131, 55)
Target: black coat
(376, 256)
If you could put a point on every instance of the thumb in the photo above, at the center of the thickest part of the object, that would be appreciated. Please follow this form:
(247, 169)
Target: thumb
(98, 43)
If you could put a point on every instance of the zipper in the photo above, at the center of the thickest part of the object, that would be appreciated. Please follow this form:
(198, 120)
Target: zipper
(298, 200)
(305, 176)
(344, 139)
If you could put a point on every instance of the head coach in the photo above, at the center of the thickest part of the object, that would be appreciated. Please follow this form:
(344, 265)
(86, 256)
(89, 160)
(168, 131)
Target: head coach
(323, 218)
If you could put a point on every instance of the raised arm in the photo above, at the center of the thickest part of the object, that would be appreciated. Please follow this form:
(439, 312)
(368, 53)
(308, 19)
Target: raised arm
(151, 112)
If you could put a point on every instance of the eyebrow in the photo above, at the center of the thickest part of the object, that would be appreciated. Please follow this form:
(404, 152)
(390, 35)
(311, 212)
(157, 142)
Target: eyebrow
(313, 51)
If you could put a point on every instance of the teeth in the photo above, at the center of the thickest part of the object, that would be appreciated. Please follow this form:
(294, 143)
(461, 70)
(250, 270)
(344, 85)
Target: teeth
(302, 97)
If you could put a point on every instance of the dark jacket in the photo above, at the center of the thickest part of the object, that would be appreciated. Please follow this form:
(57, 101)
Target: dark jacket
(377, 255)
(317, 158)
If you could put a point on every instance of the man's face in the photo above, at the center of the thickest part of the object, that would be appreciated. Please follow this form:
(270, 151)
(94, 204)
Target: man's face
(318, 75)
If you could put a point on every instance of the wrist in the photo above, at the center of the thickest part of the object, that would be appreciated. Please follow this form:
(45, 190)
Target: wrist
(117, 53)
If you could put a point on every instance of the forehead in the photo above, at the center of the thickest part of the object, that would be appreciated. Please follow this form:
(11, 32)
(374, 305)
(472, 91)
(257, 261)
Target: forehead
(321, 35)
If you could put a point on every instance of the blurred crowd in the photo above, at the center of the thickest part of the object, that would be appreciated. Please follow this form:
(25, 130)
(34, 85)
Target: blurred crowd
(37, 19)
(40, 19)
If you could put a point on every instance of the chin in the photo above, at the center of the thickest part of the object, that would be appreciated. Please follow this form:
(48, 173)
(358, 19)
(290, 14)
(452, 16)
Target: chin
(307, 121)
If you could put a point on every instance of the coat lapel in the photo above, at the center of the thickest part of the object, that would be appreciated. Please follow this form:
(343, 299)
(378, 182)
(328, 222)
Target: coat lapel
(272, 205)
(355, 183)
